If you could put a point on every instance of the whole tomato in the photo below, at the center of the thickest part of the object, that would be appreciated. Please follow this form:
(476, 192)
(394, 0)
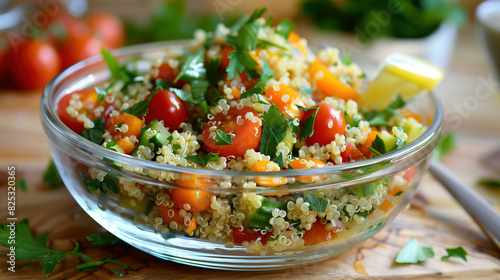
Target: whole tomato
(79, 48)
(108, 28)
(34, 63)
(4, 50)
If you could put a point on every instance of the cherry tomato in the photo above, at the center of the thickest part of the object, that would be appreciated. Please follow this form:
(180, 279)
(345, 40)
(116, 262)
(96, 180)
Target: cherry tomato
(133, 124)
(410, 173)
(249, 235)
(166, 72)
(329, 122)
(351, 153)
(197, 200)
(318, 234)
(167, 107)
(286, 99)
(64, 27)
(87, 97)
(108, 28)
(308, 163)
(34, 63)
(79, 48)
(170, 214)
(4, 50)
(267, 166)
(246, 132)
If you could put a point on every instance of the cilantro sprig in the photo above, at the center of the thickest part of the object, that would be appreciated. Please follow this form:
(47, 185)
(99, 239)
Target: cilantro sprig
(30, 248)
(203, 160)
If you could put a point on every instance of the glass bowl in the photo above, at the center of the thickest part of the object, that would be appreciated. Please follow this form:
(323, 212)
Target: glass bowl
(360, 197)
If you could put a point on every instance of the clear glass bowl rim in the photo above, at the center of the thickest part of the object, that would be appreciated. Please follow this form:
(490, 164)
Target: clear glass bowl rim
(53, 123)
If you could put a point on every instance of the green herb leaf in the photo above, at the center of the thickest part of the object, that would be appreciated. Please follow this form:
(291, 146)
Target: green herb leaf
(91, 265)
(162, 83)
(101, 93)
(203, 159)
(109, 182)
(273, 132)
(113, 66)
(117, 272)
(264, 44)
(240, 61)
(222, 138)
(257, 13)
(413, 253)
(103, 240)
(315, 203)
(379, 145)
(380, 118)
(21, 184)
(265, 76)
(141, 108)
(458, 252)
(95, 134)
(346, 59)
(51, 176)
(192, 68)
(307, 128)
(250, 92)
(398, 193)
(489, 182)
(247, 36)
(280, 161)
(446, 144)
(111, 146)
(214, 74)
(375, 152)
(284, 28)
(306, 90)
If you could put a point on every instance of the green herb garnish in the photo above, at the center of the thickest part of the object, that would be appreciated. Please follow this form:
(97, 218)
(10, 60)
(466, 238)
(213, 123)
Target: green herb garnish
(379, 146)
(274, 130)
(21, 184)
(222, 138)
(307, 128)
(192, 68)
(458, 252)
(265, 76)
(51, 176)
(109, 182)
(315, 203)
(398, 193)
(103, 240)
(240, 61)
(141, 108)
(95, 134)
(413, 253)
(280, 161)
(101, 93)
(203, 159)
(284, 28)
(376, 118)
(446, 144)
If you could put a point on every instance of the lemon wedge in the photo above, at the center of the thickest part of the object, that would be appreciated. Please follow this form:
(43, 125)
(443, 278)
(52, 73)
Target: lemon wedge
(400, 73)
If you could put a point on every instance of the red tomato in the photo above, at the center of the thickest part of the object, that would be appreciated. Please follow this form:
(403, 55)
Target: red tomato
(108, 28)
(318, 234)
(86, 97)
(79, 48)
(167, 107)
(34, 63)
(170, 214)
(196, 199)
(64, 27)
(351, 153)
(4, 50)
(329, 122)
(246, 133)
(249, 235)
(410, 173)
(166, 72)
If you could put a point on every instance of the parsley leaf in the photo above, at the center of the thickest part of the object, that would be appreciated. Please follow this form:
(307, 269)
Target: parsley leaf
(113, 66)
(494, 183)
(378, 145)
(51, 176)
(30, 248)
(241, 61)
(446, 144)
(95, 134)
(111, 145)
(214, 75)
(255, 91)
(284, 28)
(222, 138)
(103, 240)
(307, 128)
(273, 132)
(203, 159)
(264, 44)
(247, 36)
(21, 184)
(91, 265)
(192, 68)
(257, 13)
(380, 118)
(315, 203)
(101, 93)
(280, 161)
(265, 76)
(458, 252)
(398, 193)
(141, 108)
(109, 182)
(412, 253)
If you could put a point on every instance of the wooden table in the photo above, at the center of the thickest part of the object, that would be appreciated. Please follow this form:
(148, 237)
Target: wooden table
(434, 218)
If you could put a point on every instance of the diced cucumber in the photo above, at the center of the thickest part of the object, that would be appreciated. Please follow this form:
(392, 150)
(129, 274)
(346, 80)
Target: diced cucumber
(389, 140)
(413, 129)
(114, 147)
(365, 190)
(158, 139)
(259, 218)
(143, 206)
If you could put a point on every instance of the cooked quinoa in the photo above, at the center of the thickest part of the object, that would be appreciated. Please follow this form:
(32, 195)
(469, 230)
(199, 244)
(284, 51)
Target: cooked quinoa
(243, 101)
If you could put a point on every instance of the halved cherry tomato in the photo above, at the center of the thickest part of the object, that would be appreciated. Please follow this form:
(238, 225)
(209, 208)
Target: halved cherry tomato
(34, 63)
(246, 132)
(368, 142)
(166, 72)
(197, 200)
(318, 234)
(266, 166)
(328, 84)
(351, 153)
(286, 99)
(170, 214)
(329, 122)
(108, 28)
(87, 97)
(308, 163)
(167, 107)
(133, 124)
(249, 235)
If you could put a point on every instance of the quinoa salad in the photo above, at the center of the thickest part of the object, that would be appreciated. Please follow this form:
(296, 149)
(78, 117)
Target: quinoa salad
(251, 97)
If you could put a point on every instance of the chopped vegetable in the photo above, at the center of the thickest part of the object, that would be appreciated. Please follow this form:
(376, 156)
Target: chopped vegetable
(413, 253)
(103, 240)
(203, 159)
